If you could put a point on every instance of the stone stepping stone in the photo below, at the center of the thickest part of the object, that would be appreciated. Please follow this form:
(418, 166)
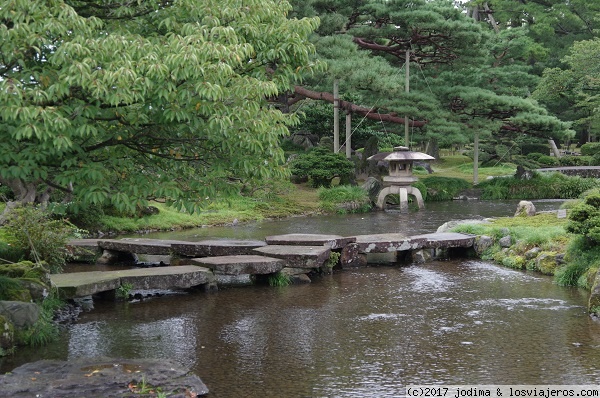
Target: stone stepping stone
(80, 284)
(138, 245)
(240, 264)
(298, 256)
(331, 241)
(446, 240)
(209, 248)
(386, 243)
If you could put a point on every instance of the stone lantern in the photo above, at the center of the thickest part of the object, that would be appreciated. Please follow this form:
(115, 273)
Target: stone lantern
(400, 176)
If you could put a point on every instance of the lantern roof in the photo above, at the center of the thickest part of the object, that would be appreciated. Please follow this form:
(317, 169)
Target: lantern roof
(401, 153)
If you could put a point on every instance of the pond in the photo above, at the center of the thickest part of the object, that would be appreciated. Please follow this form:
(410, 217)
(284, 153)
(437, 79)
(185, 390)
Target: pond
(360, 333)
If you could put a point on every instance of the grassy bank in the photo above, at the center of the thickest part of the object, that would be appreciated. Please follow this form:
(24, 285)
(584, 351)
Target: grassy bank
(296, 200)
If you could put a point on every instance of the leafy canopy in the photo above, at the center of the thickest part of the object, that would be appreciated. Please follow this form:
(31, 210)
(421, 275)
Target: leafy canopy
(117, 102)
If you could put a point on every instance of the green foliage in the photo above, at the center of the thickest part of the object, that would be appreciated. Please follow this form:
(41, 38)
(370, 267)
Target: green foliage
(332, 261)
(32, 231)
(130, 101)
(444, 188)
(575, 160)
(44, 331)
(541, 186)
(8, 286)
(535, 156)
(548, 160)
(322, 166)
(534, 148)
(584, 218)
(590, 148)
(279, 279)
(344, 199)
(581, 255)
(123, 290)
(421, 187)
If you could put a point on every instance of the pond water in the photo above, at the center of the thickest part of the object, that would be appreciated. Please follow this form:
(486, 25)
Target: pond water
(359, 333)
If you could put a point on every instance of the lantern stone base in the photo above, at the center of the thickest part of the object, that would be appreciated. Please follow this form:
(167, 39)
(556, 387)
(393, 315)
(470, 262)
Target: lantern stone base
(403, 191)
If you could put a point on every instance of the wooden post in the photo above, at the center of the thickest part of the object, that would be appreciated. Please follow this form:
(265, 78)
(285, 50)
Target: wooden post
(348, 134)
(407, 89)
(336, 116)
(476, 159)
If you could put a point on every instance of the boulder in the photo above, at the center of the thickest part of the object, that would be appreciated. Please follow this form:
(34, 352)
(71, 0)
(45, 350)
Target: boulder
(482, 243)
(525, 208)
(546, 263)
(352, 257)
(447, 226)
(20, 314)
(532, 253)
(422, 256)
(505, 241)
(101, 377)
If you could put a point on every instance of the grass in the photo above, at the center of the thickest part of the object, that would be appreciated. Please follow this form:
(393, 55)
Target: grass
(295, 201)
(460, 166)
(344, 199)
(542, 230)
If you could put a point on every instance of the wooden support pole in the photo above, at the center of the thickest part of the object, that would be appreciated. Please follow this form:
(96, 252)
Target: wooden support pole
(407, 89)
(348, 134)
(336, 116)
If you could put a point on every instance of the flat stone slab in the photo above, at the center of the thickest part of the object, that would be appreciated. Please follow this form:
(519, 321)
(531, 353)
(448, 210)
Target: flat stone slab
(242, 264)
(385, 243)
(138, 245)
(100, 377)
(208, 248)
(298, 256)
(80, 284)
(446, 240)
(331, 241)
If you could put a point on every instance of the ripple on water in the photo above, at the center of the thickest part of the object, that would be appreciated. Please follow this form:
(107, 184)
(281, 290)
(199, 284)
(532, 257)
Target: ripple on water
(529, 302)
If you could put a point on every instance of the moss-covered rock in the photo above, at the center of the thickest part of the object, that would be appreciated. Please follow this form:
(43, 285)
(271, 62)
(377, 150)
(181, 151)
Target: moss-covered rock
(546, 263)
(33, 281)
(516, 262)
(26, 269)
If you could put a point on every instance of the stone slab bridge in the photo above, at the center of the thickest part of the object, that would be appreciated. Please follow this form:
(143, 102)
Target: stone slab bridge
(212, 263)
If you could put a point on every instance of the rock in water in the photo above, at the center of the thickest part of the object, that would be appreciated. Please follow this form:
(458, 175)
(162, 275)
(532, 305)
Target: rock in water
(104, 377)
(525, 208)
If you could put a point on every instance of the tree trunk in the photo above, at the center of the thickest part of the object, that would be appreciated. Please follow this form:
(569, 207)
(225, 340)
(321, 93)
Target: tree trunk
(433, 149)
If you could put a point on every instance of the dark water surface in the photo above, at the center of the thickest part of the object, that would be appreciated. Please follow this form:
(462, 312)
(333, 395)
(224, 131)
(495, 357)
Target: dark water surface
(363, 333)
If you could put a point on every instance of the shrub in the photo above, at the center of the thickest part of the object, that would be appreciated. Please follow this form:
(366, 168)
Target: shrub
(39, 237)
(575, 160)
(584, 218)
(590, 148)
(322, 166)
(444, 188)
(531, 148)
(535, 156)
(548, 160)
(344, 198)
(541, 186)
(581, 255)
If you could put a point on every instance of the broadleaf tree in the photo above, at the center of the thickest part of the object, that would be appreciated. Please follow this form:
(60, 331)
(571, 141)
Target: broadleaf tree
(119, 102)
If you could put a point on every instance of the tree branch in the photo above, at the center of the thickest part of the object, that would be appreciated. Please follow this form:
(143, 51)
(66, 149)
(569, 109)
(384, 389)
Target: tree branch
(369, 113)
